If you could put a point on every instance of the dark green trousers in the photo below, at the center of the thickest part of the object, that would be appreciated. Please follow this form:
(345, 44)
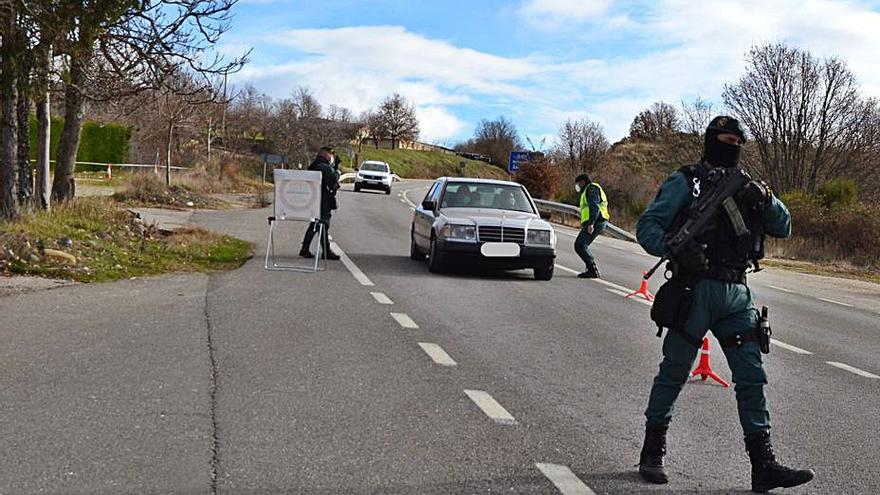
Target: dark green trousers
(726, 309)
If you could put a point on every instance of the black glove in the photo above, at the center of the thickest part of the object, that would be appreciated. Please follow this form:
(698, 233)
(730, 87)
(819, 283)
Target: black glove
(755, 195)
(692, 257)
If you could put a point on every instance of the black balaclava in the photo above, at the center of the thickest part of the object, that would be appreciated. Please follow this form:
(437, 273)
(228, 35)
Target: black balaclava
(718, 153)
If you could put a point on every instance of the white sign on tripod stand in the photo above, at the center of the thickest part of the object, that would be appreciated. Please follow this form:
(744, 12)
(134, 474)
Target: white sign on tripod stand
(297, 198)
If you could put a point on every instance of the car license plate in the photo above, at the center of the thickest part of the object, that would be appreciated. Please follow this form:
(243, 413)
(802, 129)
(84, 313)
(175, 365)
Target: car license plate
(499, 249)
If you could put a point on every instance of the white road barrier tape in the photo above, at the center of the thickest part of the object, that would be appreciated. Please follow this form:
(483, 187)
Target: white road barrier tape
(355, 271)
(852, 369)
(381, 298)
(491, 407)
(437, 353)
(404, 320)
(564, 479)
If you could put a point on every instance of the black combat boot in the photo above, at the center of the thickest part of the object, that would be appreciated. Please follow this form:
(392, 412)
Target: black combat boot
(767, 473)
(328, 253)
(592, 272)
(305, 253)
(651, 459)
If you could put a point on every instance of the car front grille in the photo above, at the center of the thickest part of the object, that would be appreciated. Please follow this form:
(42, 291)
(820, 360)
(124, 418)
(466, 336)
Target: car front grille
(499, 234)
(372, 177)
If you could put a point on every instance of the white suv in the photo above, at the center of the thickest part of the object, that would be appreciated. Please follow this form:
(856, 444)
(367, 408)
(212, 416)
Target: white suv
(373, 175)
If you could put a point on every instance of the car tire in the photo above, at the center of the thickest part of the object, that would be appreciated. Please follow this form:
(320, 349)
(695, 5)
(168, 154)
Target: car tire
(415, 253)
(357, 188)
(544, 272)
(388, 191)
(435, 257)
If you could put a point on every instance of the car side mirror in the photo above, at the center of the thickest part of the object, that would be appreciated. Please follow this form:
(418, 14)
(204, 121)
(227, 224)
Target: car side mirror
(546, 215)
(429, 205)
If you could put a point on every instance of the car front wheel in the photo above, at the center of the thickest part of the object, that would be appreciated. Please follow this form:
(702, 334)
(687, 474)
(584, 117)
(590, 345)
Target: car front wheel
(357, 188)
(544, 272)
(435, 257)
(388, 191)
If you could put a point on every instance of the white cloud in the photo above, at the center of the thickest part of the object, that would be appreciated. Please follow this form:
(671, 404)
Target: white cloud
(692, 49)
(561, 14)
(437, 124)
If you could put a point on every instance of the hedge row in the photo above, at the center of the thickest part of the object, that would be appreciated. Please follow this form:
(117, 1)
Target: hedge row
(103, 143)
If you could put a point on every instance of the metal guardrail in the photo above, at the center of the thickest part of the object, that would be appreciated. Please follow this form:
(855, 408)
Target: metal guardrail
(564, 209)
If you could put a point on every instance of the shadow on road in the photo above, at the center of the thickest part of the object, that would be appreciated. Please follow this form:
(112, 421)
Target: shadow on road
(404, 266)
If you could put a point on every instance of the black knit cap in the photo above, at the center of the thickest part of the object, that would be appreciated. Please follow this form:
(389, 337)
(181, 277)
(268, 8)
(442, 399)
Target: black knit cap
(582, 177)
(725, 125)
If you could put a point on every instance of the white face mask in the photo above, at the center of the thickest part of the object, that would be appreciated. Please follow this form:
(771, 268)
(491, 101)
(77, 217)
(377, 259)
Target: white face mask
(577, 187)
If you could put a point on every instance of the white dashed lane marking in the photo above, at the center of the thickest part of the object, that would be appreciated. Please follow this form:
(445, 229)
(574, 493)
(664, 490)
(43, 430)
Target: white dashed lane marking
(781, 289)
(437, 354)
(853, 369)
(381, 298)
(404, 320)
(832, 301)
(355, 271)
(566, 481)
(491, 407)
(789, 347)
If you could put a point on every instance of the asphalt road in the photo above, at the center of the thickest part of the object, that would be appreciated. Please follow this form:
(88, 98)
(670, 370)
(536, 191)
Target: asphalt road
(252, 382)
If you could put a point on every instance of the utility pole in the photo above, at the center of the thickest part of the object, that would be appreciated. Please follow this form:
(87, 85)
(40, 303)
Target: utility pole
(223, 117)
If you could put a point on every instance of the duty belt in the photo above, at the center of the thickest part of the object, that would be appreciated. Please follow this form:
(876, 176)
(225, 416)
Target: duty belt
(739, 339)
(725, 275)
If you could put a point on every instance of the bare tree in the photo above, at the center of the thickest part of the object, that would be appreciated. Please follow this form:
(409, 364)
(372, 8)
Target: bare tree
(655, 122)
(399, 119)
(581, 145)
(805, 114)
(496, 139)
(695, 115)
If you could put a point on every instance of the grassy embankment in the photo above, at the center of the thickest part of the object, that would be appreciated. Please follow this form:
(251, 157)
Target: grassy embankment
(93, 240)
(410, 164)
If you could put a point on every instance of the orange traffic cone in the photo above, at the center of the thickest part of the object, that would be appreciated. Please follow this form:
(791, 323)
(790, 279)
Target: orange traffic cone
(703, 369)
(643, 289)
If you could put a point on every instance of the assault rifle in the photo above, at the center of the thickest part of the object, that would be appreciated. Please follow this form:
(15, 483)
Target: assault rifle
(726, 184)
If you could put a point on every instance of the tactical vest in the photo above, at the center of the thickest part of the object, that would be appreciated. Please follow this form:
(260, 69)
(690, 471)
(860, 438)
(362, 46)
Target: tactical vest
(729, 255)
(585, 204)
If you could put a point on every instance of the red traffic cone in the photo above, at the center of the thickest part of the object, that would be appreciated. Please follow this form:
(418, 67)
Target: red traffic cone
(703, 369)
(643, 289)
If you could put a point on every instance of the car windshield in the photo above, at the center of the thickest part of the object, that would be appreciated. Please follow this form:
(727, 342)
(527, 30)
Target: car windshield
(476, 195)
(374, 167)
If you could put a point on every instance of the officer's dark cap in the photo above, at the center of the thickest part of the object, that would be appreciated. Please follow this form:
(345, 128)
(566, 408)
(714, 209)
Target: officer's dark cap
(582, 177)
(726, 125)
(328, 149)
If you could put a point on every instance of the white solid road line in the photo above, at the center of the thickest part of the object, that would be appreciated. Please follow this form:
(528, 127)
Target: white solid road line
(437, 354)
(404, 320)
(789, 347)
(782, 289)
(567, 269)
(491, 407)
(381, 298)
(566, 481)
(355, 271)
(832, 301)
(852, 369)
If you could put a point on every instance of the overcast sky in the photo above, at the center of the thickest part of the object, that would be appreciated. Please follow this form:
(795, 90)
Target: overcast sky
(537, 62)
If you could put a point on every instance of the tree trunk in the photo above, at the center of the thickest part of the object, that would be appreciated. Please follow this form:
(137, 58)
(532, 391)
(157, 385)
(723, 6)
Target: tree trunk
(63, 186)
(8, 203)
(44, 127)
(25, 181)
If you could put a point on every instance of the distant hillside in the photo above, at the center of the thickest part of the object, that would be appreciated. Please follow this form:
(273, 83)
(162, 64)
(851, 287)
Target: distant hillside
(411, 164)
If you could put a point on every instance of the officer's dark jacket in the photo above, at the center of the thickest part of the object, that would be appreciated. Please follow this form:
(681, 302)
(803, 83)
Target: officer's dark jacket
(329, 184)
(675, 195)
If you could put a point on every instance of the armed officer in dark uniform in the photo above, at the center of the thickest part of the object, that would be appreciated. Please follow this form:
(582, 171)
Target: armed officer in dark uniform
(329, 186)
(712, 273)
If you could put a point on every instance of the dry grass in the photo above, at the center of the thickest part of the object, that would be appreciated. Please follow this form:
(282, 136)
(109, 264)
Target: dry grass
(108, 243)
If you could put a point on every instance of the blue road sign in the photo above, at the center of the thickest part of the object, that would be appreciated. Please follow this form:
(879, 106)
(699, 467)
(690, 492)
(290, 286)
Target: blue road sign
(517, 158)
(273, 159)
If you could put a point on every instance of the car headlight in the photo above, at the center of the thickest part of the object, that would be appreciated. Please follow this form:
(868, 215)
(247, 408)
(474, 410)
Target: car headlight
(538, 237)
(459, 232)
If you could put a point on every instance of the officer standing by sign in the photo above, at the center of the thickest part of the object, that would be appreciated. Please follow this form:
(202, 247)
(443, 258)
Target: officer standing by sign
(708, 291)
(594, 217)
(329, 186)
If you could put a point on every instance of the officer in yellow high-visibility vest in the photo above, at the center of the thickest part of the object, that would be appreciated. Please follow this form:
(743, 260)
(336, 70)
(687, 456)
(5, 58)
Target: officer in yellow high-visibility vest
(594, 217)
